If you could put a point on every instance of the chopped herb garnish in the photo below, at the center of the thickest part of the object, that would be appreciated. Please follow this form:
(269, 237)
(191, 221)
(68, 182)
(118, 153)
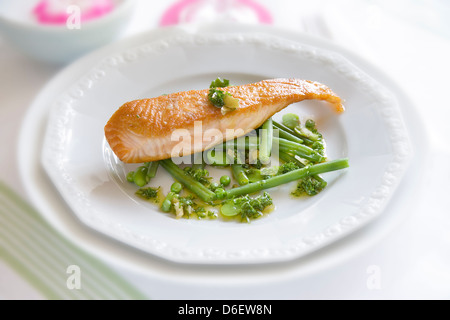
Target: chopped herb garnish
(216, 97)
(288, 167)
(309, 186)
(148, 193)
(220, 83)
(246, 207)
(221, 99)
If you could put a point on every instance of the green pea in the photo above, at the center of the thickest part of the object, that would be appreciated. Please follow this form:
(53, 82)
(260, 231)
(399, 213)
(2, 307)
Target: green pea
(130, 176)
(225, 180)
(176, 187)
(220, 193)
(214, 186)
(140, 176)
(291, 120)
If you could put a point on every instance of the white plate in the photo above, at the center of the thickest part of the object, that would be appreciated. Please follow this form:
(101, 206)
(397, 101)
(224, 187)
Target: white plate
(371, 134)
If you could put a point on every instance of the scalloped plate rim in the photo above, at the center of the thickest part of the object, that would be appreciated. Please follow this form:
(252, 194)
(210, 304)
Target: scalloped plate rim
(236, 258)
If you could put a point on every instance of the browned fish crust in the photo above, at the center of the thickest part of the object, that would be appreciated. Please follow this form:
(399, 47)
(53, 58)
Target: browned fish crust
(141, 130)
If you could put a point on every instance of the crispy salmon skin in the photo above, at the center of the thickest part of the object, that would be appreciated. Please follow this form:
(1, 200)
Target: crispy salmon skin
(150, 129)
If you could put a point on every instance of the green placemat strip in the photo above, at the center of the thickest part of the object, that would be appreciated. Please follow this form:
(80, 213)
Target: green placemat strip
(49, 262)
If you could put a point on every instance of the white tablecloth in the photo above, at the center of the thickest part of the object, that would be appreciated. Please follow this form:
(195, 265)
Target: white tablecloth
(409, 41)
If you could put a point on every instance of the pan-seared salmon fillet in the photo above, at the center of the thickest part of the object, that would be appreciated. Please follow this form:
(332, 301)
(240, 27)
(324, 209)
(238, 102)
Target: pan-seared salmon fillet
(150, 129)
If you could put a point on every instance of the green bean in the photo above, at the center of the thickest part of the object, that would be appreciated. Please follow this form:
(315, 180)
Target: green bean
(288, 136)
(266, 137)
(239, 174)
(190, 183)
(239, 145)
(292, 132)
(287, 157)
(316, 158)
(283, 127)
(299, 149)
(288, 177)
(152, 169)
